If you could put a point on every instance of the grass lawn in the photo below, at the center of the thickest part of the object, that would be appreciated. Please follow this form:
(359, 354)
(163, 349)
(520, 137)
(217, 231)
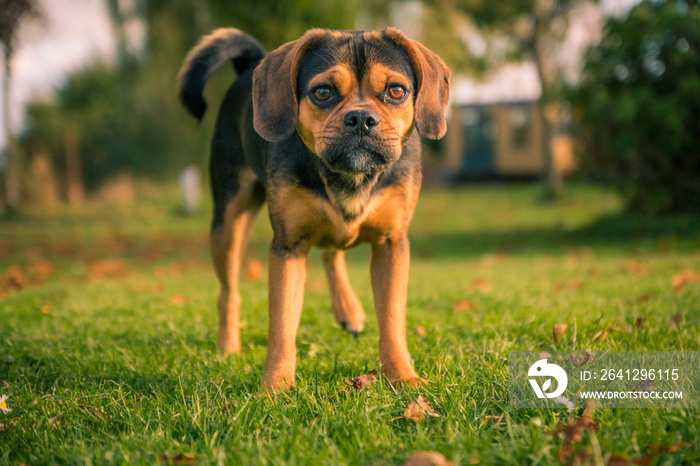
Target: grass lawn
(108, 321)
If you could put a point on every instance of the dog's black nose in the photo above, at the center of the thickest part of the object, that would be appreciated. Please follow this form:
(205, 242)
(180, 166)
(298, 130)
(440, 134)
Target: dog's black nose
(361, 121)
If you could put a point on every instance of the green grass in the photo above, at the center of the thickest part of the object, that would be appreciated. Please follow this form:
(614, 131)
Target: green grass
(115, 371)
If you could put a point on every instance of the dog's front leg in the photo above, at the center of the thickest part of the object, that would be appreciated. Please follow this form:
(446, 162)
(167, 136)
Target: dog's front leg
(389, 270)
(287, 272)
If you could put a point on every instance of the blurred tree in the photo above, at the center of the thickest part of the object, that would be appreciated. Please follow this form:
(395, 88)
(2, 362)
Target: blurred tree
(639, 105)
(12, 13)
(514, 29)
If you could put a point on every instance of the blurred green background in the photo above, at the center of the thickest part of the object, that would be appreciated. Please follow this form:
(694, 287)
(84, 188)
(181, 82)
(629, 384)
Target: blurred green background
(616, 83)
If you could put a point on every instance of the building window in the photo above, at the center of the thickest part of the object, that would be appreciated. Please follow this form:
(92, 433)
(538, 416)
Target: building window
(520, 127)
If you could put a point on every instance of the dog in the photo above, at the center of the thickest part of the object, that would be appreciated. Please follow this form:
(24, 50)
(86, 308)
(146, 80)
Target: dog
(326, 129)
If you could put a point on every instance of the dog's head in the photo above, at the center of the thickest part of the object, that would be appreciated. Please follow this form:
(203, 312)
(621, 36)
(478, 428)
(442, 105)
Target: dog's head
(353, 97)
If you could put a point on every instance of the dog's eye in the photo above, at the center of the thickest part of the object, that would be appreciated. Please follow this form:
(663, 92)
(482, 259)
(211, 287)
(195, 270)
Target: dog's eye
(323, 93)
(396, 92)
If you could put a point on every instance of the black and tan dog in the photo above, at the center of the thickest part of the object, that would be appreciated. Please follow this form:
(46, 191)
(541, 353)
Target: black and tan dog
(326, 129)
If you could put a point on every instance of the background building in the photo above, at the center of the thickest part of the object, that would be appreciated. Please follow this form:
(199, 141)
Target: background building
(495, 127)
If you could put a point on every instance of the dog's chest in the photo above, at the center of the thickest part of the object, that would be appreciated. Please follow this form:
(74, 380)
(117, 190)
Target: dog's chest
(338, 234)
(308, 218)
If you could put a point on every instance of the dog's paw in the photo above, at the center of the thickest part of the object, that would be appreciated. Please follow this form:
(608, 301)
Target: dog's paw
(227, 343)
(349, 314)
(400, 373)
(276, 383)
(353, 328)
(408, 382)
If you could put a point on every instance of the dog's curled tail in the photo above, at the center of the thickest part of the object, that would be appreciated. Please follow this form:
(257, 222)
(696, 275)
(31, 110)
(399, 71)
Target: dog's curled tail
(212, 51)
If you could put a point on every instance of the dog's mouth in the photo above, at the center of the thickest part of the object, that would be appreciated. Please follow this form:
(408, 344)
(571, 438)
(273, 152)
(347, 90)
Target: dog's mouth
(358, 156)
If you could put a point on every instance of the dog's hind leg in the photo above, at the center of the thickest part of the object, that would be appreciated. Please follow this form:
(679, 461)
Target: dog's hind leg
(346, 307)
(228, 240)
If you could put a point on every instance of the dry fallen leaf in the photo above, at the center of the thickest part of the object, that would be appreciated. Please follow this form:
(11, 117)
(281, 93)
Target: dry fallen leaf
(570, 285)
(7, 425)
(165, 271)
(45, 309)
(227, 407)
(362, 381)
(420, 331)
(600, 336)
(579, 359)
(492, 418)
(678, 318)
(97, 412)
(646, 385)
(558, 331)
(54, 422)
(180, 458)
(680, 279)
(582, 252)
(107, 268)
(14, 280)
(639, 322)
(654, 451)
(115, 244)
(634, 267)
(492, 259)
(254, 270)
(40, 267)
(417, 410)
(481, 285)
(178, 299)
(463, 306)
(618, 460)
(146, 288)
(572, 432)
(427, 458)
(677, 446)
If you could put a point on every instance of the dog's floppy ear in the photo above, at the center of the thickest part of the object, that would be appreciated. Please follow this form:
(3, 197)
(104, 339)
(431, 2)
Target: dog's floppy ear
(432, 85)
(275, 104)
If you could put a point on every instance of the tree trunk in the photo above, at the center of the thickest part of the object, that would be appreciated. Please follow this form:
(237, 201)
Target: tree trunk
(12, 163)
(554, 180)
(75, 191)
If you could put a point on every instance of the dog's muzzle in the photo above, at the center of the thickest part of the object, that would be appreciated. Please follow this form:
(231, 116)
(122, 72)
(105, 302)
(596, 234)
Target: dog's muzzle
(356, 155)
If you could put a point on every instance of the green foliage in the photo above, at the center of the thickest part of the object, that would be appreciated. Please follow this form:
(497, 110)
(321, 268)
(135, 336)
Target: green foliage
(273, 22)
(114, 132)
(639, 106)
